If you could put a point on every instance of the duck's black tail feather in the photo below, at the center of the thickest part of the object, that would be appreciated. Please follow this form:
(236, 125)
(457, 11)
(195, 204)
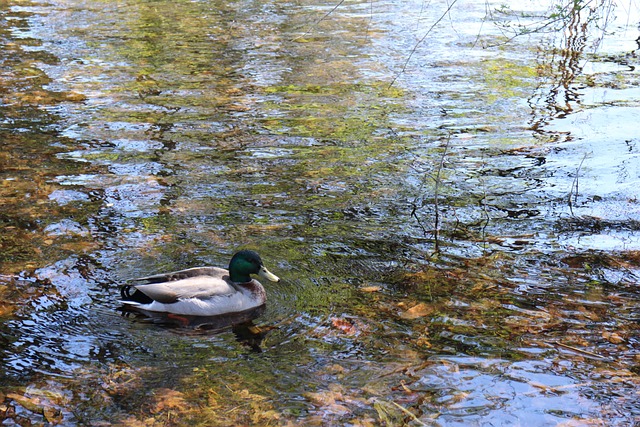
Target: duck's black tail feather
(131, 294)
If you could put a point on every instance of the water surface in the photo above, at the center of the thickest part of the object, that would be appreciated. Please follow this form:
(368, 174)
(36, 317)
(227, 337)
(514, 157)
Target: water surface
(456, 224)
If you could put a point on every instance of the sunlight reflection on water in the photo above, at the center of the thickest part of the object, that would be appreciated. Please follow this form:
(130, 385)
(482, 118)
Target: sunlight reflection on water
(209, 128)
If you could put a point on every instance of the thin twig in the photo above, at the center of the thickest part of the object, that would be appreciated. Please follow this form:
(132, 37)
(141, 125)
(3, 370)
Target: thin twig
(487, 9)
(406, 62)
(574, 184)
(405, 410)
(577, 350)
(414, 214)
(414, 203)
(485, 208)
(370, 19)
(320, 20)
(436, 196)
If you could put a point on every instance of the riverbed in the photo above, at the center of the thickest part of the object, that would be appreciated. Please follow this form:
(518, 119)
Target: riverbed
(448, 191)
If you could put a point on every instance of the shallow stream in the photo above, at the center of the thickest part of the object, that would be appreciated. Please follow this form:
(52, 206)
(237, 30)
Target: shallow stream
(449, 192)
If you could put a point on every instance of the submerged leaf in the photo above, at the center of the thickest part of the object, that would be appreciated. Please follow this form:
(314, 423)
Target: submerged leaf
(417, 311)
(346, 326)
(613, 337)
(370, 289)
(169, 399)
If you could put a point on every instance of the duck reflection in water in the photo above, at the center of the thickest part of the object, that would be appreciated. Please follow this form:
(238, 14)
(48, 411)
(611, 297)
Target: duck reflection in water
(241, 324)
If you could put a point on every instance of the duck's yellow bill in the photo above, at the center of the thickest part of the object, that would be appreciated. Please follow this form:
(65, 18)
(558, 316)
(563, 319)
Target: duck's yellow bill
(268, 275)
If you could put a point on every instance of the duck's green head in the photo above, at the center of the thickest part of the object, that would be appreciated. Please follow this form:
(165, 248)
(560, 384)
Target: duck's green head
(245, 263)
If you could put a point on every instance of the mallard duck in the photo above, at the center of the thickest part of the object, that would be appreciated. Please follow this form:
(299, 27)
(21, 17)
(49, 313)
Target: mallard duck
(202, 291)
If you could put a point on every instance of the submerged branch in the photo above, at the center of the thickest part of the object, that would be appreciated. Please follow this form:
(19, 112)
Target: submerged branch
(577, 350)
